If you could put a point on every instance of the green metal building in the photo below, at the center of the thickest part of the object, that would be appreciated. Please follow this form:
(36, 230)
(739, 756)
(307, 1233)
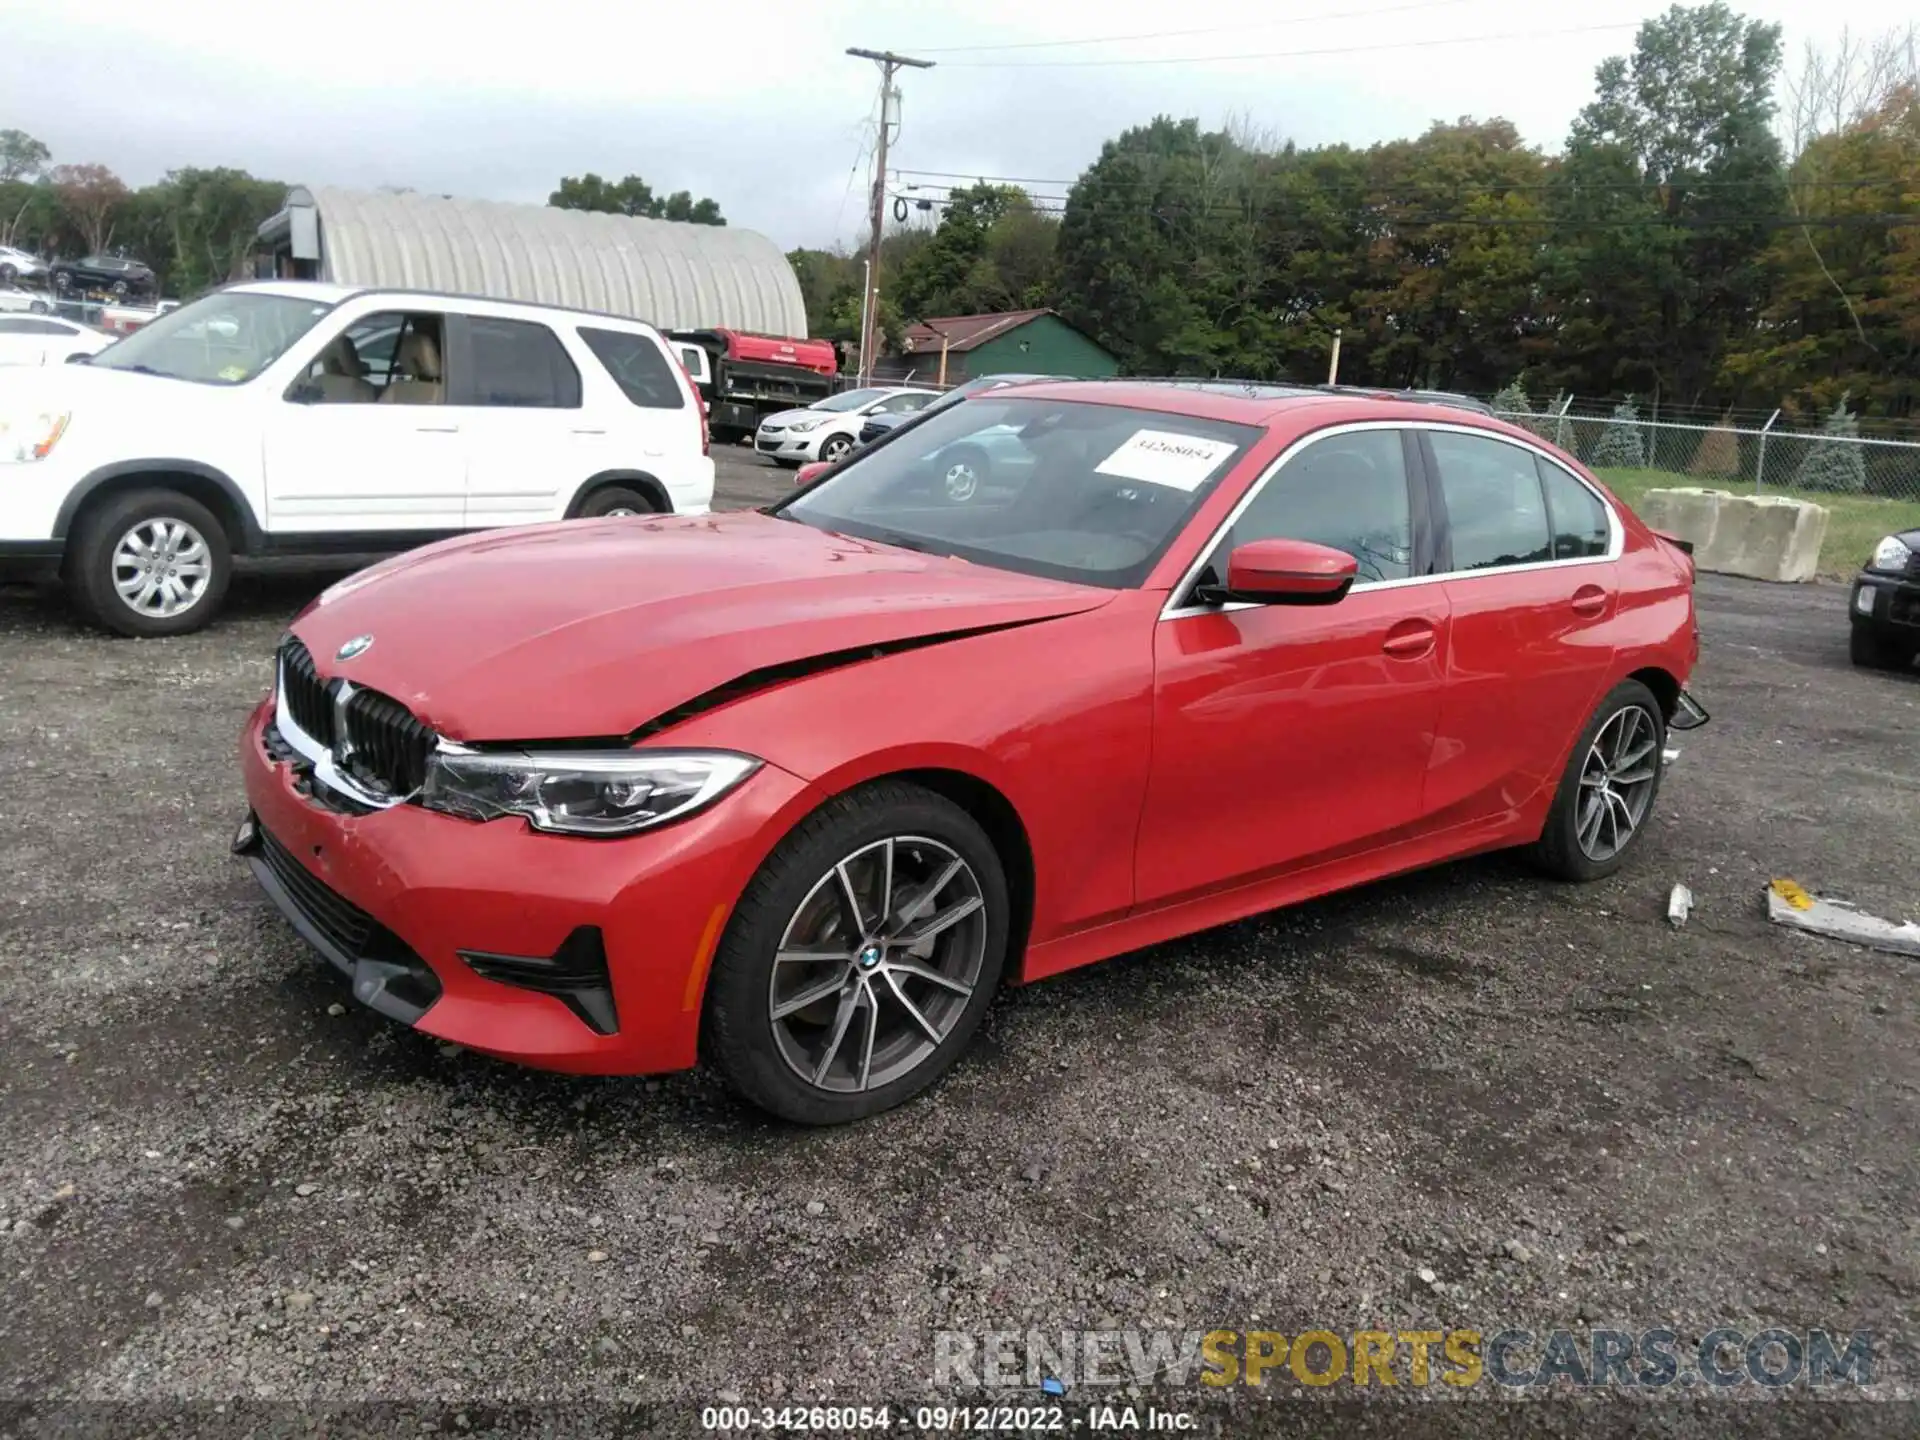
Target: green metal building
(1016, 342)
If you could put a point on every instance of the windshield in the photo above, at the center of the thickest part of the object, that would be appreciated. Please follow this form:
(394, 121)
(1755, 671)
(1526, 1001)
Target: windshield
(851, 400)
(1065, 489)
(225, 338)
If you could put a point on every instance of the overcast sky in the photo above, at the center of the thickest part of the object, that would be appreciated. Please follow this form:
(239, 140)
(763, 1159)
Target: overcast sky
(754, 101)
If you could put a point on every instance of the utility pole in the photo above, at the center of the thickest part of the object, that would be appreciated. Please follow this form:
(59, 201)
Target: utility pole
(889, 97)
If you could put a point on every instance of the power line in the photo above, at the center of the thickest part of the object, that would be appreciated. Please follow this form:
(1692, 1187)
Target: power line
(1202, 30)
(1294, 54)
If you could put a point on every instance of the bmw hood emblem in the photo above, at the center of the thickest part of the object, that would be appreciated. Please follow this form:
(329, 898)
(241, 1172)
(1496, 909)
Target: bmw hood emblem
(358, 645)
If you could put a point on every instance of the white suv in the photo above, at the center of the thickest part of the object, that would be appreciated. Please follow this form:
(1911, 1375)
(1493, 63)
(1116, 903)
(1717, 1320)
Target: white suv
(829, 430)
(296, 418)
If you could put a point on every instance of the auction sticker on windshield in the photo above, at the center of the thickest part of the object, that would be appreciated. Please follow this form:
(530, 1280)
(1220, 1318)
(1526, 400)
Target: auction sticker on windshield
(1160, 457)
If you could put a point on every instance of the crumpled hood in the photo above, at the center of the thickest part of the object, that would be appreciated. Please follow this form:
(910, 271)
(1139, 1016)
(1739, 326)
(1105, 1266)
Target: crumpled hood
(592, 628)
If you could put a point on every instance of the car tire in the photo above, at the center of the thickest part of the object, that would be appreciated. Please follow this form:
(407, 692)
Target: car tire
(62, 281)
(834, 448)
(1874, 652)
(885, 829)
(102, 554)
(784, 464)
(37, 307)
(8, 273)
(1618, 755)
(616, 500)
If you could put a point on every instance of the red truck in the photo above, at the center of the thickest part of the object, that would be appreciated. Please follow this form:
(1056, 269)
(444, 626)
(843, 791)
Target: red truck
(743, 376)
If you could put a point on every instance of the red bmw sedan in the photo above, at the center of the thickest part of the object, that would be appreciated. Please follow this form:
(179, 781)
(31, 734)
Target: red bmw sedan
(794, 791)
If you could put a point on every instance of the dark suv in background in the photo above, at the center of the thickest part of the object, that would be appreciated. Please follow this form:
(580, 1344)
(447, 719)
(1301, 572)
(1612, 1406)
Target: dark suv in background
(113, 273)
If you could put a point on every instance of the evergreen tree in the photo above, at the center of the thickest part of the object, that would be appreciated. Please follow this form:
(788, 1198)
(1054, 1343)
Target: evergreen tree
(1832, 462)
(1621, 447)
(1510, 401)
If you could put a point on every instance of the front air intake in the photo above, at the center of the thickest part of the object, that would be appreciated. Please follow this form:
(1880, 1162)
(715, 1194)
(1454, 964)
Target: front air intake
(575, 975)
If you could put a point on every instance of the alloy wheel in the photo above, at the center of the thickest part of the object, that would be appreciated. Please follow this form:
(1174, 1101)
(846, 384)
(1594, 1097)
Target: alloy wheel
(962, 482)
(161, 567)
(1616, 782)
(876, 966)
(834, 448)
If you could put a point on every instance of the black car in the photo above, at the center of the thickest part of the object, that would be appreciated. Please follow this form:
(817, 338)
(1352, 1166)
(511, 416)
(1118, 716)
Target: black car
(113, 273)
(878, 425)
(1885, 604)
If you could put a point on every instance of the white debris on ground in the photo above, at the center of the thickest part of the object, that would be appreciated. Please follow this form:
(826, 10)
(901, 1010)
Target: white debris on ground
(1679, 905)
(1789, 904)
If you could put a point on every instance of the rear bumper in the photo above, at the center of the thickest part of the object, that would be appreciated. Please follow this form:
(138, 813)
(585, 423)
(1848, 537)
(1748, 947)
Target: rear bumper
(443, 899)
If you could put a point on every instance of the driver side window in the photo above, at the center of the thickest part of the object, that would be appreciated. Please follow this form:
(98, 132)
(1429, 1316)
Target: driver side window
(1349, 492)
(392, 356)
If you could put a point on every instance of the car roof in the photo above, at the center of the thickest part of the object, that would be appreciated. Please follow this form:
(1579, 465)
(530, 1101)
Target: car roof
(329, 293)
(1250, 402)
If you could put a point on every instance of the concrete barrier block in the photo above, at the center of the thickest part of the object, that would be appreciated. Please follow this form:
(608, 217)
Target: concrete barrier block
(1763, 537)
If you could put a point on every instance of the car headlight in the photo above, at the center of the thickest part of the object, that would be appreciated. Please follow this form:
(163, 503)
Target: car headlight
(31, 435)
(1892, 553)
(800, 427)
(588, 793)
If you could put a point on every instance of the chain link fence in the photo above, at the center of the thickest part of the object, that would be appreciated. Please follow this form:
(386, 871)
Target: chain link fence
(1729, 456)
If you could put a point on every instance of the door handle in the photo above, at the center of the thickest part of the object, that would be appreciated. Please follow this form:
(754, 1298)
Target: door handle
(1589, 600)
(439, 429)
(1408, 640)
(589, 432)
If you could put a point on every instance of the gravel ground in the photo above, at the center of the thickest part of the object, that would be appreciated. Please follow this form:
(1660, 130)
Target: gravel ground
(1462, 1098)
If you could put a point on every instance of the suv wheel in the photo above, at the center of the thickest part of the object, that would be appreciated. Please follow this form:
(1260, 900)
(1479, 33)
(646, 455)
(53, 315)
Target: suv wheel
(616, 500)
(150, 563)
(1873, 652)
(861, 958)
(8, 272)
(62, 281)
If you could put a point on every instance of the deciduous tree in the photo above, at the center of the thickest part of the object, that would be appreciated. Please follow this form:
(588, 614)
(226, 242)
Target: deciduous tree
(633, 196)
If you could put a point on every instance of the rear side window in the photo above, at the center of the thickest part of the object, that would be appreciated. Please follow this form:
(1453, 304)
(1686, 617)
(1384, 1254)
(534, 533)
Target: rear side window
(644, 375)
(1579, 520)
(1496, 514)
(518, 363)
(36, 327)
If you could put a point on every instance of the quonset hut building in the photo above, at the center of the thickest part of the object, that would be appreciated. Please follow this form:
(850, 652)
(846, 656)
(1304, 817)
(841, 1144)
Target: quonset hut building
(674, 275)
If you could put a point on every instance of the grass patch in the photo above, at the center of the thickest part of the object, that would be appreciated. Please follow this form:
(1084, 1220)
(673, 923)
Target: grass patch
(1855, 523)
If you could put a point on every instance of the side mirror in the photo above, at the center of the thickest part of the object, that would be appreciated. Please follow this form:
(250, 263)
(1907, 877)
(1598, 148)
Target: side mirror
(304, 392)
(807, 474)
(78, 357)
(1285, 572)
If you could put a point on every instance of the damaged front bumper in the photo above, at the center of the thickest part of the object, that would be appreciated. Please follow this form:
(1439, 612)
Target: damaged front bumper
(567, 954)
